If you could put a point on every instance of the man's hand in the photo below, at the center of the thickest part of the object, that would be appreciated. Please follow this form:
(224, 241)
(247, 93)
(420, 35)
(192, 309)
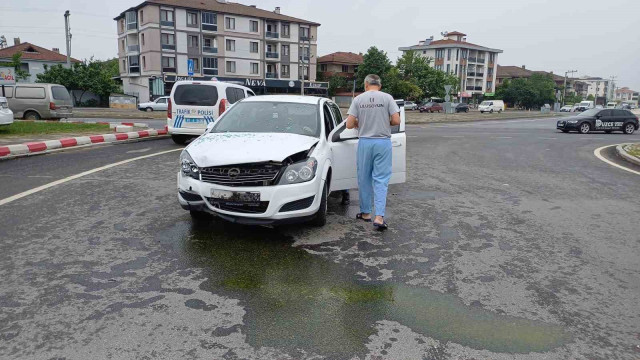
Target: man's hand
(395, 119)
(352, 122)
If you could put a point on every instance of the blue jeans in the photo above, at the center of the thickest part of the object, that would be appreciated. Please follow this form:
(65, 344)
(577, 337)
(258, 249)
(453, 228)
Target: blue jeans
(374, 173)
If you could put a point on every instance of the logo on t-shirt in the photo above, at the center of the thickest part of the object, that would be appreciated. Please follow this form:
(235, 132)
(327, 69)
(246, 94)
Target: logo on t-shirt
(371, 105)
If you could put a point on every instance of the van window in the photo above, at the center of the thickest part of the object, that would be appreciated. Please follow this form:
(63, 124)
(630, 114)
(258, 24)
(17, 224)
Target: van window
(234, 94)
(29, 92)
(196, 95)
(60, 93)
(8, 90)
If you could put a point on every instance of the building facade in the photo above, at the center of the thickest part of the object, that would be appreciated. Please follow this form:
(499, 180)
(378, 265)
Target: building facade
(599, 88)
(161, 41)
(34, 58)
(626, 95)
(343, 64)
(473, 64)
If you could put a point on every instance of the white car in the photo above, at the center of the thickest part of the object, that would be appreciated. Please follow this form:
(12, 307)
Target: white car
(410, 105)
(566, 108)
(195, 104)
(275, 159)
(6, 115)
(159, 104)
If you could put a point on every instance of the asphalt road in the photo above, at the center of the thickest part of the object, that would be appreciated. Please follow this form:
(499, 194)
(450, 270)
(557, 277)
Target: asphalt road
(509, 241)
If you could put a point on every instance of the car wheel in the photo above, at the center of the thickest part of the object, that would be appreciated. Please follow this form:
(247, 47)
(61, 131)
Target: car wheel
(320, 219)
(499, 111)
(148, 109)
(179, 139)
(629, 128)
(491, 111)
(481, 112)
(466, 110)
(420, 110)
(31, 115)
(585, 128)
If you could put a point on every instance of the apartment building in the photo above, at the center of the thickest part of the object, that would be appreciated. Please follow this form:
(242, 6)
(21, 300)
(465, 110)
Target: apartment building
(626, 95)
(340, 63)
(598, 88)
(473, 64)
(162, 41)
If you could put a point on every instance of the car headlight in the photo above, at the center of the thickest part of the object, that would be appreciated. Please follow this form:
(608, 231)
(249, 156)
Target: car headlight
(299, 172)
(188, 166)
(572, 121)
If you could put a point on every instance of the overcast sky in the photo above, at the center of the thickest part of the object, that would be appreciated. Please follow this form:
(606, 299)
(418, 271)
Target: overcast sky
(595, 37)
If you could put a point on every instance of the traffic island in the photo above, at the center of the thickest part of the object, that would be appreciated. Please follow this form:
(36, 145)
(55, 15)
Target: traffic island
(415, 117)
(629, 152)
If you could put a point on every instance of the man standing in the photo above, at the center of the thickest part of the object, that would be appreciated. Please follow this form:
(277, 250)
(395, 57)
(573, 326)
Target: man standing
(373, 113)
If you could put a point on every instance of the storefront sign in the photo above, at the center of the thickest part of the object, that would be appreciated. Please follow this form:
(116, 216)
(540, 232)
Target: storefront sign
(7, 76)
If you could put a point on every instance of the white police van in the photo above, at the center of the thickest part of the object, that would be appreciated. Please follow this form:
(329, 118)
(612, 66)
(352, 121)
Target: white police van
(195, 104)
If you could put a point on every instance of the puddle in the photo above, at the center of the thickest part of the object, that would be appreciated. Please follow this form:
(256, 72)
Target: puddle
(295, 300)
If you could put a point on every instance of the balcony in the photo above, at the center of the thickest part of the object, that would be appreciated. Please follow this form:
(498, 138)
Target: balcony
(210, 27)
(481, 60)
(134, 69)
(133, 48)
(305, 38)
(167, 23)
(271, 75)
(470, 73)
(472, 59)
(304, 57)
(169, 69)
(168, 46)
(209, 50)
(210, 71)
(479, 88)
(272, 35)
(132, 26)
(479, 74)
(271, 55)
(470, 87)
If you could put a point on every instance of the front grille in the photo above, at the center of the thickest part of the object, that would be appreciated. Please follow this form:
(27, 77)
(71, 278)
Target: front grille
(297, 205)
(240, 207)
(190, 196)
(262, 174)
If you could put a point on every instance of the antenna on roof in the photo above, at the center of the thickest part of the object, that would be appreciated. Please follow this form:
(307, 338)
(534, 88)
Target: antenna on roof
(444, 33)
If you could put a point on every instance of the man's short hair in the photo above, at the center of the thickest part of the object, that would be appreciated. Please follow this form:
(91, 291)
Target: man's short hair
(373, 79)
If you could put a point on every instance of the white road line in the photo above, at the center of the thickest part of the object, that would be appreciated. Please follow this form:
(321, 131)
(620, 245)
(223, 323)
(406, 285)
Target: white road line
(77, 176)
(138, 151)
(452, 136)
(547, 138)
(597, 153)
(503, 137)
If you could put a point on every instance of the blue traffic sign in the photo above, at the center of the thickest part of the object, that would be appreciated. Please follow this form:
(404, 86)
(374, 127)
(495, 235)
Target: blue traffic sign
(190, 67)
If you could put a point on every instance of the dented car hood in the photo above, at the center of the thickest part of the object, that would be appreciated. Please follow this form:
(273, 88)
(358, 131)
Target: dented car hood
(218, 149)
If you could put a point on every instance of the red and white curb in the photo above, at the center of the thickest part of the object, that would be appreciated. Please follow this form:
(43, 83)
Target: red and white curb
(111, 124)
(34, 148)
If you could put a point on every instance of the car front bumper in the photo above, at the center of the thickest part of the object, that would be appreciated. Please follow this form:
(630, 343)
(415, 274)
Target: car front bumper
(563, 125)
(277, 196)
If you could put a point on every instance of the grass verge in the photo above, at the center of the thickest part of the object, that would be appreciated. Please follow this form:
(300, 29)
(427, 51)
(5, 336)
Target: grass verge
(633, 149)
(43, 128)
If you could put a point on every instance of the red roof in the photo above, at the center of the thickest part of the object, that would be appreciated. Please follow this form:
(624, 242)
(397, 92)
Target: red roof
(456, 33)
(625, 90)
(341, 58)
(33, 52)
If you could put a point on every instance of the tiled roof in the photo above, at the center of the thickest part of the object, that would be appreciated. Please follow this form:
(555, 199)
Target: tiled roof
(512, 72)
(624, 90)
(34, 52)
(224, 7)
(456, 33)
(439, 43)
(341, 58)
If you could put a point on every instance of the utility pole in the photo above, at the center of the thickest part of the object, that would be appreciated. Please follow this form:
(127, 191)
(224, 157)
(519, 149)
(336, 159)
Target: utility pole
(67, 32)
(564, 95)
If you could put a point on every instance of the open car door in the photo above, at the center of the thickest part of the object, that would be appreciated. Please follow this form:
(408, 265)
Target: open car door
(344, 145)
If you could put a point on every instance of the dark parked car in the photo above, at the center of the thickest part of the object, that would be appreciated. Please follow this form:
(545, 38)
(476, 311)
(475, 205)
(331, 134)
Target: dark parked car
(431, 107)
(606, 120)
(462, 107)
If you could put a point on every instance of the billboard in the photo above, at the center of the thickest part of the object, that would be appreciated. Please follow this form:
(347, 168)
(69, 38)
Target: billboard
(7, 76)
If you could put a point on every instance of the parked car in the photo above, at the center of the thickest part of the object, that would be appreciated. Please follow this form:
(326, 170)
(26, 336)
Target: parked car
(491, 105)
(275, 159)
(612, 105)
(6, 115)
(462, 107)
(606, 120)
(566, 108)
(431, 107)
(585, 105)
(39, 101)
(410, 105)
(575, 107)
(159, 104)
(195, 104)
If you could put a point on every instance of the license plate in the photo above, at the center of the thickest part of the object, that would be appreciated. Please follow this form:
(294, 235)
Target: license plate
(225, 195)
(192, 120)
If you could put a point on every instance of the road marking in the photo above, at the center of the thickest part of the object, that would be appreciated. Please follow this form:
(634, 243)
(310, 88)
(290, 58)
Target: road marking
(452, 136)
(138, 151)
(547, 138)
(77, 176)
(597, 153)
(590, 138)
(503, 137)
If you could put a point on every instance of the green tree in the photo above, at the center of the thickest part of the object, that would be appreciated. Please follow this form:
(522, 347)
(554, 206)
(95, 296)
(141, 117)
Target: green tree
(417, 70)
(573, 99)
(590, 97)
(374, 62)
(399, 88)
(336, 82)
(530, 93)
(16, 64)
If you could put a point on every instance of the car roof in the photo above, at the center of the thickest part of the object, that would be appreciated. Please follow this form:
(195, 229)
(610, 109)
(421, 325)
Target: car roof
(221, 84)
(286, 98)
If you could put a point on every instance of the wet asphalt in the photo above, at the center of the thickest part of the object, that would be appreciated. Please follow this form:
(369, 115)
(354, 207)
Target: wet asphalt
(509, 241)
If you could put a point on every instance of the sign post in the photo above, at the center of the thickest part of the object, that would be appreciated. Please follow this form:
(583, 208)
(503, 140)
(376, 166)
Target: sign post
(447, 100)
(190, 67)
(6, 78)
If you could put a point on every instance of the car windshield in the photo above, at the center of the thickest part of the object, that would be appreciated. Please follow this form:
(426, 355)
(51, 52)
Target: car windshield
(270, 117)
(486, 103)
(590, 112)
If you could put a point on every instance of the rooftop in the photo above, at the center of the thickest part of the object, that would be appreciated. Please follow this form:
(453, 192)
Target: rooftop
(522, 72)
(448, 42)
(34, 52)
(342, 58)
(222, 7)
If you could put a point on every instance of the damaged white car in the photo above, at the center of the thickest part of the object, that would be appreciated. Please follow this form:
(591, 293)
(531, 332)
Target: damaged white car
(274, 159)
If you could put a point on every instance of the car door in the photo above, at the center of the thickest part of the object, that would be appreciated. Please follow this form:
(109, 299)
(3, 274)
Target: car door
(604, 120)
(344, 144)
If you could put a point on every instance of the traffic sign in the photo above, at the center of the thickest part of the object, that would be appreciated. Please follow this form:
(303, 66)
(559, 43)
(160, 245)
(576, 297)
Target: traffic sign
(190, 67)
(447, 88)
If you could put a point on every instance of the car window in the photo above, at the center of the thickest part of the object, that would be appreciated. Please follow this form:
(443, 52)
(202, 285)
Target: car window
(590, 112)
(620, 113)
(337, 114)
(270, 117)
(23, 92)
(8, 91)
(606, 113)
(250, 93)
(162, 101)
(329, 123)
(196, 95)
(234, 94)
(60, 93)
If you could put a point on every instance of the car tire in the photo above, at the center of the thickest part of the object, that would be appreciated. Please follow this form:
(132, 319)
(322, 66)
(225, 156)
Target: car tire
(629, 128)
(466, 110)
(420, 111)
(320, 218)
(31, 115)
(584, 128)
(491, 111)
(148, 109)
(481, 112)
(179, 139)
(499, 111)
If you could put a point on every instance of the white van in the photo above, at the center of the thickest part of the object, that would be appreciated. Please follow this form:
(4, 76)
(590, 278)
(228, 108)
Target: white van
(491, 106)
(195, 104)
(612, 105)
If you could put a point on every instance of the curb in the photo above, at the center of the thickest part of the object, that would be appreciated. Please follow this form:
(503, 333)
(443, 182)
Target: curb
(42, 147)
(125, 126)
(625, 155)
(480, 120)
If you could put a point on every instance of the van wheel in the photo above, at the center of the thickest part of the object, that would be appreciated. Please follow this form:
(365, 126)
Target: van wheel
(148, 109)
(499, 111)
(179, 139)
(629, 128)
(585, 128)
(31, 115)
(320, 219)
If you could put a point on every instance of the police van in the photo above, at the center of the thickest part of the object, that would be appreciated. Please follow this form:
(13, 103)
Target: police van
(195, 104)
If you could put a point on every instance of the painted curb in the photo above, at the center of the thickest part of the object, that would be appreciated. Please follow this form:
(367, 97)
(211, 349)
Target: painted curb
(625, 155)
(42, 147)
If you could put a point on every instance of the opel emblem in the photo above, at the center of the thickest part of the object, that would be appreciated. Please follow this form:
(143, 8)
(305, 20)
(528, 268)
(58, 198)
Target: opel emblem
(233, 173)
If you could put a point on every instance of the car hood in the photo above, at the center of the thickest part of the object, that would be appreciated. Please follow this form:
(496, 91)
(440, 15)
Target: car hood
(217, 149)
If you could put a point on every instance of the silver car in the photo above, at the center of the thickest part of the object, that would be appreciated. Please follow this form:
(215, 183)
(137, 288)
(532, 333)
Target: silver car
(410, 105)
(160, 104)
(39, 101)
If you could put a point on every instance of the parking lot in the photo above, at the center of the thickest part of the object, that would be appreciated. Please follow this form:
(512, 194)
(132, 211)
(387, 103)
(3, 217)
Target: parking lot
(509, 241)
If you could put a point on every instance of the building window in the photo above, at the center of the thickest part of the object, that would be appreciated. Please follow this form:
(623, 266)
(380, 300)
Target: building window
(345, 68)
(424, 52)
(210, 66)
(254, 68)
(192, 41)
(456, 72)
(285, 50)
(254, 47)
(142, 39)
(323, 67)
(192, 19)
(124, 47)
(231, 45)
(141, 16)
(209, 21)
(144, 63)
(449, 54)
(253, 26)
(209, 45)
(134, 64)
(132, 21)
(230, 23)
(169, 64)
(231, 67)
(196, 64)
(448, 68)
(285, 71)
(457, 54)
(286, 30)
(124, 65)
(168, 41)
(166, 18)
(440, 54)
(304, 33)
